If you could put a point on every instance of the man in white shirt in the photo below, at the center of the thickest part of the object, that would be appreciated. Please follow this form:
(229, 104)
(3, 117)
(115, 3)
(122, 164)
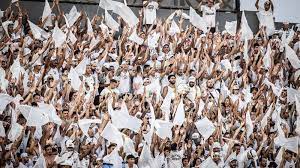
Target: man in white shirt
(112, 88)
(150, 8)
(175, 156)
(130, 162)
(209, 13)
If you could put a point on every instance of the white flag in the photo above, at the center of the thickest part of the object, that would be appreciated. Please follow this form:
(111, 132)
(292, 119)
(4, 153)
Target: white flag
(50, 111)
(2, 130)
(37, 32)
(5, 99)
(47, 10)
(292, 57)
(135, 38)
(15, 131)
(245, 29)
(84, 124)
(205, 127)
(58, 36)
(145, 159)
(163, 129)
(209, 163)
(231, 27)
(89, 31)
(126, 13)
(174, 28)
(264, 120)
(73, 15)
(110, 22)
(81, 67)
(74, 79)
(197, 20)
(180, 115)
(267, 58)
(249, 124)
(112, 134)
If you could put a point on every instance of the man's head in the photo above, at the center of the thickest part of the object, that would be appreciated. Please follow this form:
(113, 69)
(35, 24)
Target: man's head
(210, 83)
(130, 159)
(111, 147)
(210, 3)
(113, 83)
(192, 81)
(24, 157)
(70, 145)
(172, 79)
(48, 149)
(233, 163)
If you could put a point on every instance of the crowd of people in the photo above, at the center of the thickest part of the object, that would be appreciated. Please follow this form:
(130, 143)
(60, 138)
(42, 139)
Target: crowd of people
(147, 92)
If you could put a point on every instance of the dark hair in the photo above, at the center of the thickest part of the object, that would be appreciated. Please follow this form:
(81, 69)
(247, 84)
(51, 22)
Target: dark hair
(170, 76)
(130, 156)
(174, 146)
(113, 80)
(167, 148)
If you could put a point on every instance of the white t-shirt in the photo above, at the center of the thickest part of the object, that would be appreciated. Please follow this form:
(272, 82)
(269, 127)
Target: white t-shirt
(124, 86)
(150, 12)
(209, 14)
(176, 159)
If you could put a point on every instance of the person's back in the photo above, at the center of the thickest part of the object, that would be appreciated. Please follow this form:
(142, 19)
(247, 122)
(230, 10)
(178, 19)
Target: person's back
(175, 157)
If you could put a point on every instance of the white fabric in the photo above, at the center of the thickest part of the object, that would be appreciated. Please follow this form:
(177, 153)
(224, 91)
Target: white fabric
(126, 13)
(110, 22)
(15, 132)
(231, 27)
(150, 12)
(37, 32)
(249, 124)
(209, 163)
(163, 129)
(291, 93)
(283, 15)
(5, 99)
(112, 134)
(50, 111)
(180, 115)
(47, 10)
(197, 20)
(84, 124)
(292, 57)
(145, 159)
(135, 38)
(58, 36)
(129, 146)
(246, 32)
(278, 158)
(267, 58)
(174, 28)
(264, 120)
(74, 78)
(72, 16)
(90, 31)
(81, 67)
(205, 127)
(2, 130)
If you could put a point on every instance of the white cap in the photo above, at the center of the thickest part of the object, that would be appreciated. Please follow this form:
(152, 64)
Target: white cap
(216, 145)
(192, 79)
(23, 155)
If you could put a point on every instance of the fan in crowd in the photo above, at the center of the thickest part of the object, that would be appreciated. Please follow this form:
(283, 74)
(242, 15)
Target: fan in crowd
(117, 90)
